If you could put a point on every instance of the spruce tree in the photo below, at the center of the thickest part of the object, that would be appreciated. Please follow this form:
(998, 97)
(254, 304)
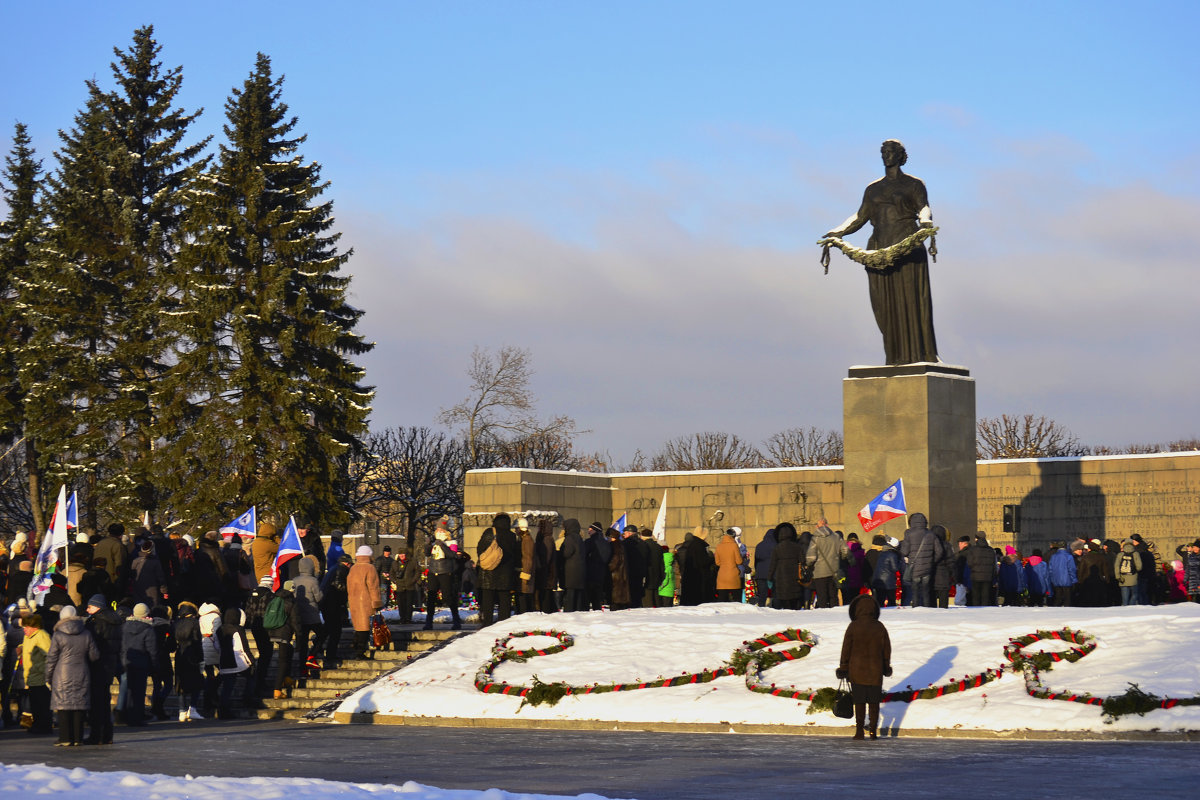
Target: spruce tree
(269, 402)
(107, 279)
(20, 233)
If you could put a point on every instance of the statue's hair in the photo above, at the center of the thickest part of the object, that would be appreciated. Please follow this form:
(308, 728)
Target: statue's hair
(900, 144)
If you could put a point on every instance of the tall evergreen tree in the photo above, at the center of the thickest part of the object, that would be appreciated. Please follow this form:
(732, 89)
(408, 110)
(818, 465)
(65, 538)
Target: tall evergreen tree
(20, 233)
(107, 277)
(269, 402)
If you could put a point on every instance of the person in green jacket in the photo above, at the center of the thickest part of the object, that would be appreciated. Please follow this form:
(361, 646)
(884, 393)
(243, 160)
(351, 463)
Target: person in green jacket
(666, 589)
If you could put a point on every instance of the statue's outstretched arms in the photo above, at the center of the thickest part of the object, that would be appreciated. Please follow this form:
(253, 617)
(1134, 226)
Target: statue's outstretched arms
(852, 224)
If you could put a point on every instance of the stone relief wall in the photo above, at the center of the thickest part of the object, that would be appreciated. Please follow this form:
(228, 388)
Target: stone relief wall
(1101, 497)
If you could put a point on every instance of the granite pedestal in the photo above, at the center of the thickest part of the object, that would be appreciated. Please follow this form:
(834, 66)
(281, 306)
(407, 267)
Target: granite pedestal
(915, 422)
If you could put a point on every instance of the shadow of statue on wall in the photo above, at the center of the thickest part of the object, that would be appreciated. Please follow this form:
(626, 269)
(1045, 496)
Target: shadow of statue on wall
(1060, 507)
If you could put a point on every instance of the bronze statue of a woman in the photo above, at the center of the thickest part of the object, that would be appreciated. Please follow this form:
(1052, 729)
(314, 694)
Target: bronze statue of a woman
(897, 262)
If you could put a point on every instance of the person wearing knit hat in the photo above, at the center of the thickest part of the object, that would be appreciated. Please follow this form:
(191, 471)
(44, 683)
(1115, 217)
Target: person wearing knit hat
(105, 625)
(72, 648)
(139, 656)
(34, 649)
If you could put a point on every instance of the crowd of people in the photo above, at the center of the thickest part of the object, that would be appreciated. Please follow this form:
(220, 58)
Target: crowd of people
(519, 569)
(158, 612)
(161, 612)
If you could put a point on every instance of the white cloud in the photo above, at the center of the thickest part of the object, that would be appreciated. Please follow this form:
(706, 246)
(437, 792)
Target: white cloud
(654, 314)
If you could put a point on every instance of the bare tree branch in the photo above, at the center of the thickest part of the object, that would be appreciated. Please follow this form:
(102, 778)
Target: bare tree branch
(804, 447)
(708, 450)
(1025, 437)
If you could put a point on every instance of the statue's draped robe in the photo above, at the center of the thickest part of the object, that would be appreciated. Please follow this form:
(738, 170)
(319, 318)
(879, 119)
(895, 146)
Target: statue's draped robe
(900, 294)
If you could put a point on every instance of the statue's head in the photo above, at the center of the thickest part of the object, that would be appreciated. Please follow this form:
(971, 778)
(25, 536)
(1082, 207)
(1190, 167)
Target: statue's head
(894, 146)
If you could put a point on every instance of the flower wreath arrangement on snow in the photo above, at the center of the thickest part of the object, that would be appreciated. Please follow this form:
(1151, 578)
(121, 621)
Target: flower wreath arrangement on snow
(753, 657)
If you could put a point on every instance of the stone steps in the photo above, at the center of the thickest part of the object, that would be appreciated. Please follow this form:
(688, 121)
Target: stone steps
(310, 693)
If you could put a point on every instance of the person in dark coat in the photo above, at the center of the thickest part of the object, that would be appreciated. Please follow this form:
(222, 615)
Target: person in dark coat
(762, 562)
(636, 555)
(189, 661)
(545, 579)
(213, 582)
(1095, 577)
(139, 655)
(597, 553)
(163, 671)
(442, 564)
(943, 571)
(283, 637)
(96, 581)
(256, 606)
(654, 570)
(698, 571)
(105, 626)
(236, 661)
(883, 579)
(406, 579)
(573, 576)
(783, 570)
(618, 572)
(149, 581)
(496, 585)
(335, 603)
(72, 650)
(866, 660)
(981, 563)
(923, 550)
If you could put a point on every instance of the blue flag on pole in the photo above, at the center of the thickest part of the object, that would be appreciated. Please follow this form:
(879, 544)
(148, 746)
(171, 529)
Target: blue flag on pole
(245, 525)
(888, 505)
(289, 548)
(73, 511)
(622, 521)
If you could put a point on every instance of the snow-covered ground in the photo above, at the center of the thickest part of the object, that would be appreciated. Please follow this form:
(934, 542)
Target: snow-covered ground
(26, 781)
(1154, 647)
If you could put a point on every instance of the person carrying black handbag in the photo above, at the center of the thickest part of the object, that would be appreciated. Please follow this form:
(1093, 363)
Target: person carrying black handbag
(866, 660)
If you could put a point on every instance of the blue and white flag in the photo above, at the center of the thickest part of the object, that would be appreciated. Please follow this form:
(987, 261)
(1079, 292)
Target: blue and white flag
(245, 525)
(73, 512)
(289, 548)
(622, 521)
(888, 505)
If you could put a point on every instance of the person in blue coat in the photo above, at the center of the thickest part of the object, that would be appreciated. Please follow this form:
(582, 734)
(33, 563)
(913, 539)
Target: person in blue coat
(762, 560)
(1012, 577)
(1062, 573)
(1037, 578)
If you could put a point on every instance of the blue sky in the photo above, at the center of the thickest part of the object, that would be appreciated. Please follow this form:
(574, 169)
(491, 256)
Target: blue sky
(633, 191)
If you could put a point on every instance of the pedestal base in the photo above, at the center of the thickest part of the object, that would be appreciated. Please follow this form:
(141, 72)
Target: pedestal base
(915, 422)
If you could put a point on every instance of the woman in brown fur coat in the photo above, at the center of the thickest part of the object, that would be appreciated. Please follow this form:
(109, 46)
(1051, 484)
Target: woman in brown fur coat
(866, 661)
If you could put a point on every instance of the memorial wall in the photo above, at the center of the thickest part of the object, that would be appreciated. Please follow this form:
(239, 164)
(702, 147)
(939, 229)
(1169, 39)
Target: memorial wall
(1052, 498)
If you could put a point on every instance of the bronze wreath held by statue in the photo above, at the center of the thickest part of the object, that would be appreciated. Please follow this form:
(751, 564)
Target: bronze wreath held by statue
(883, 258)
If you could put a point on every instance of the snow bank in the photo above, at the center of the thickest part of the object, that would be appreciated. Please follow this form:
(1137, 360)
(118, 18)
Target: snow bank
(25, 781)
(1154, 647)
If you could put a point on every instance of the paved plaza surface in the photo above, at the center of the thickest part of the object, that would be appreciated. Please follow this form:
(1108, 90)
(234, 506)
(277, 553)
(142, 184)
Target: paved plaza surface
(623, 764)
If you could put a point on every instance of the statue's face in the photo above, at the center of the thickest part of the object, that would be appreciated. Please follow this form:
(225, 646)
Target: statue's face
(893, 154)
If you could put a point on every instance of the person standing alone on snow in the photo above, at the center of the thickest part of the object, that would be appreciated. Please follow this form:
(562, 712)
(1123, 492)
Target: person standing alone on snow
(866, 661)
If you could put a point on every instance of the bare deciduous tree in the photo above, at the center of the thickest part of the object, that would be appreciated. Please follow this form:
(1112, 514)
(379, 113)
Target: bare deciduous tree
(410, 472)
(1177, 446)
(708, 450)
(804, 447)
(501, 408)
(1026, 436)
